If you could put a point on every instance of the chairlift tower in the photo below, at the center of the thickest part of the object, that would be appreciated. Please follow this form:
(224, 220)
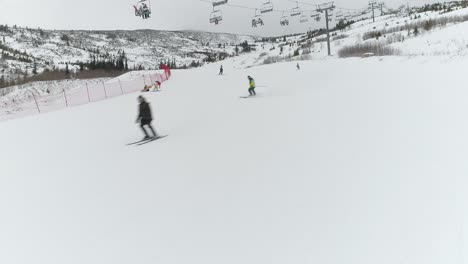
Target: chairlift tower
(381, 5)
(326, 7)
(372, 5)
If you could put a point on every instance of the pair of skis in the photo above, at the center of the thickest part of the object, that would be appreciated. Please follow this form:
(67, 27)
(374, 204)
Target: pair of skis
(145, 141)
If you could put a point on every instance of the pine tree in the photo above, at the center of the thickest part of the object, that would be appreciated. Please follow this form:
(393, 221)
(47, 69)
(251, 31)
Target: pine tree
(34, 71)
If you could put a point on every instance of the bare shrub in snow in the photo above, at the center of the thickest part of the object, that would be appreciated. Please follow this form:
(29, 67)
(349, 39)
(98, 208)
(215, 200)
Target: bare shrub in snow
(426, 24)
(342, 36)
(394, 38)
(276, 59)
(359, 50)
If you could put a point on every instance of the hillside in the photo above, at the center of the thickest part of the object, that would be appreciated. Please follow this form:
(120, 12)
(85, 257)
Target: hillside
(22, 49)
(431, 33)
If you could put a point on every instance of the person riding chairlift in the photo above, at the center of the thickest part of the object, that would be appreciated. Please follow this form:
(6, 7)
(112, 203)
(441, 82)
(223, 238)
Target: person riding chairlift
(145, 10)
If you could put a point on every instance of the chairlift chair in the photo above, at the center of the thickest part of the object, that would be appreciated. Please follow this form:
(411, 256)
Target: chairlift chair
(296, 11)
(143, 9)
(267, 7)
(219, 2)
(257, 20)
(216, 16)
(284, 20)
(304, 18)
(315, 16)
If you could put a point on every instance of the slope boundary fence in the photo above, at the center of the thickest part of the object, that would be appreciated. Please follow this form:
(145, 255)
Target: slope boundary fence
(36, 102)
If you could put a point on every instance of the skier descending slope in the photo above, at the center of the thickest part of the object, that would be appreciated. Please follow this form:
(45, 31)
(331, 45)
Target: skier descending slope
(145, 118)
(251, 86)
(221, 70)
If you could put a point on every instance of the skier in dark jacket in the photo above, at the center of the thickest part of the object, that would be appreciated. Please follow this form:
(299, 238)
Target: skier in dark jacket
(145, 117)
(221, 70)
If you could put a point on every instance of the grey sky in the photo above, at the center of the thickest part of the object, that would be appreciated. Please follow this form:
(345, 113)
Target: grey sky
(167, 15)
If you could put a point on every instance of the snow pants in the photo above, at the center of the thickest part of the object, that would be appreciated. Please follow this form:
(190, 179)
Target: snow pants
(147, 123)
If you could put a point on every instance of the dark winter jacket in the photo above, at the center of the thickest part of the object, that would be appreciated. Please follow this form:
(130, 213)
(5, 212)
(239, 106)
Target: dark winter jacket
(145, 112)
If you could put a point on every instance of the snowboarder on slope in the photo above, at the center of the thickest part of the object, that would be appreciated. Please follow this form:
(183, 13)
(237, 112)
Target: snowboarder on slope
(298, 66)
(221, 70)
(251, 86)
(145, 117)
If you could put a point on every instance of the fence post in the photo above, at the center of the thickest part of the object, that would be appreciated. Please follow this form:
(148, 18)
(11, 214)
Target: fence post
(105, 92)
(87, 90)
(121, 89)
(37, 105)
(65, 96)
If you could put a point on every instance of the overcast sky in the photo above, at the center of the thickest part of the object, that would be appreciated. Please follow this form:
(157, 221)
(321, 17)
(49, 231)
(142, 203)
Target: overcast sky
(167, 15)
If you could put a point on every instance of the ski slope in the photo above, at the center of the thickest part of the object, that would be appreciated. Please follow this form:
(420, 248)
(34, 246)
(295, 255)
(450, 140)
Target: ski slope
(350, 161)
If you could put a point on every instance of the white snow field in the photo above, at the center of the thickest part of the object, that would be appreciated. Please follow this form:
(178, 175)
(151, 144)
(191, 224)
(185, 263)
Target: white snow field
(356, 161)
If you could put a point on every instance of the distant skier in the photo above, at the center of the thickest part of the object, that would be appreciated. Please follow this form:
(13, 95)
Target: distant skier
(298, 66)
(221, 70)
(251, 86)
(145, 117)
(157, 86)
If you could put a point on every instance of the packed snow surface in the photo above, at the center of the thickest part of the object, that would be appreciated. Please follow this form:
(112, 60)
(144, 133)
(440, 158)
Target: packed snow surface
(350, 161)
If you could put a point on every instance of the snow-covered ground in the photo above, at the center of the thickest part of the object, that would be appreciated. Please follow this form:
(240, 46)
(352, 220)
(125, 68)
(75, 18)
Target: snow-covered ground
(345, 161)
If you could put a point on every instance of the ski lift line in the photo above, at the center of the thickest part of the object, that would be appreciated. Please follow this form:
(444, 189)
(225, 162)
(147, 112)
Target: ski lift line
(252, 8)
(351, 9)
(302, 3)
